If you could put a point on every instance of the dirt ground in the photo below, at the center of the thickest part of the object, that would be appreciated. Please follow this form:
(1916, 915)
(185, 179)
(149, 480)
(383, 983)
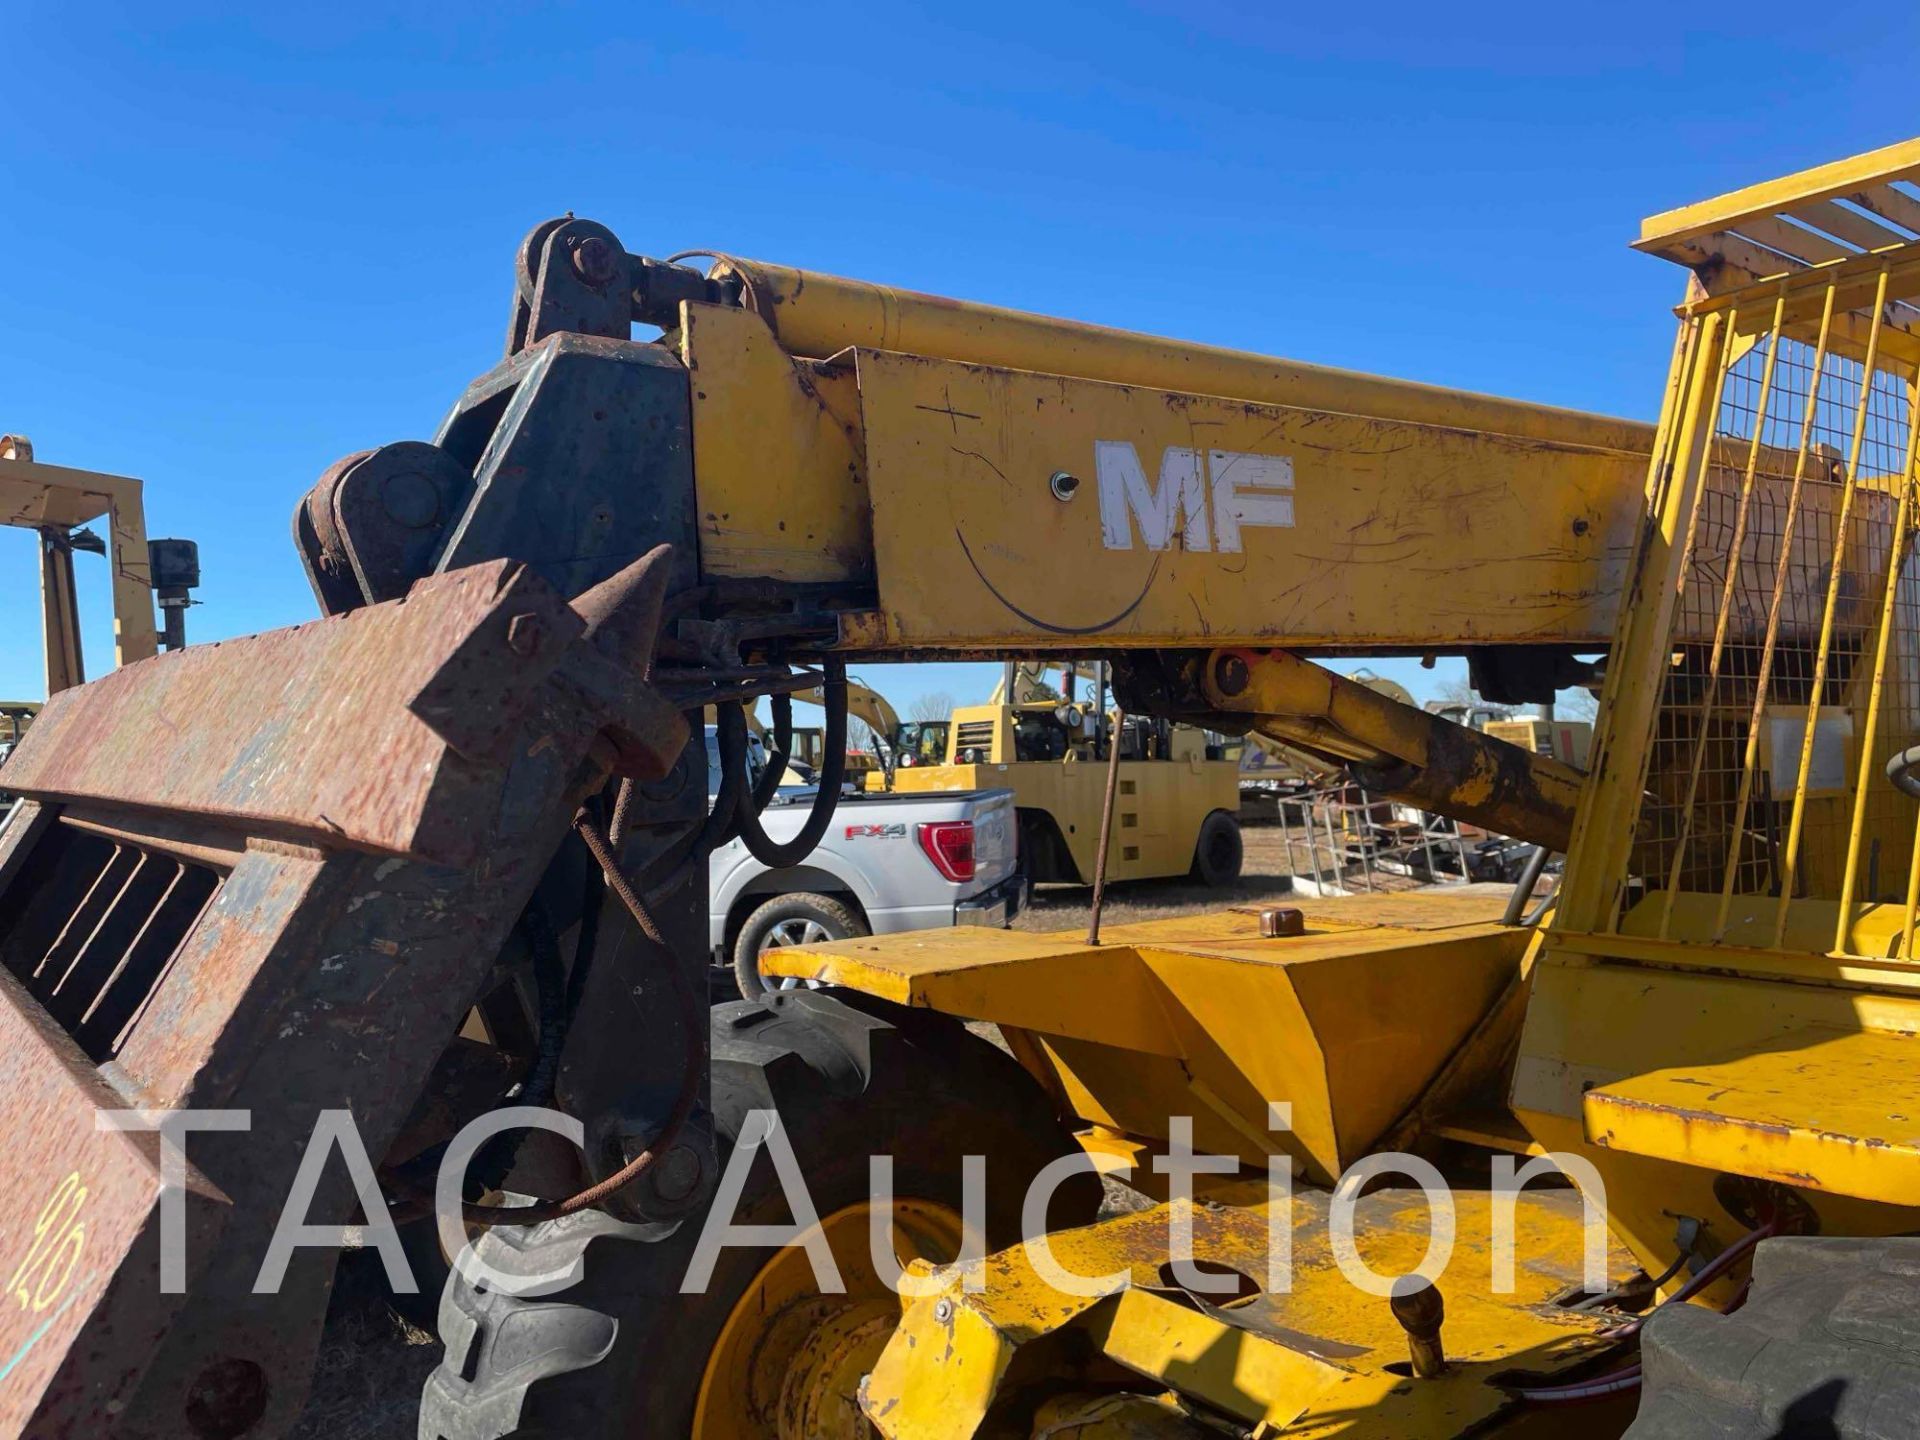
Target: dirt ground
(1264, 875)
(372, 1365)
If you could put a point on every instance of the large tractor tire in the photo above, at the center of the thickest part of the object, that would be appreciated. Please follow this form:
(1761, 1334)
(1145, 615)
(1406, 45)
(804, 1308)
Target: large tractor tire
(624, 1354)
(1827, 1346)
(1218, 852)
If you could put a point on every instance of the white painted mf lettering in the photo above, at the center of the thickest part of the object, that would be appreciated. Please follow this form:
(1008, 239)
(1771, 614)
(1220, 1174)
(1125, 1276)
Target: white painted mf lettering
(1208, 508)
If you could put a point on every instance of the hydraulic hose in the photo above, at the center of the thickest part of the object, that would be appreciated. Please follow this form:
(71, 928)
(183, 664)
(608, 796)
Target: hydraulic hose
(1523, 888)
(833, 767)
(1629, 1377)
(1619, 1382)
(1709, 1272)
(1903, 770)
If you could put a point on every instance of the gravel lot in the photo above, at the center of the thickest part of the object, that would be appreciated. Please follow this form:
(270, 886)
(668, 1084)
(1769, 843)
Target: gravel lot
(1263, 876)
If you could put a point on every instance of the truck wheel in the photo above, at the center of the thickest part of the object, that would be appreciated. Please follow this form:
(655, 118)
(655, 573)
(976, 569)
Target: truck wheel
(1218, 852)
(623, 1355)
(797, 919)
(1828, 1344)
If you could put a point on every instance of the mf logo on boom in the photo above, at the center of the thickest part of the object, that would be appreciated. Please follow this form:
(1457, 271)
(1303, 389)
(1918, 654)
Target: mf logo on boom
(1208, 496)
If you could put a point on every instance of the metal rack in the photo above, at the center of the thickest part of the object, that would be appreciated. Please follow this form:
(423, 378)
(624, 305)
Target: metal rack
(1335, 827)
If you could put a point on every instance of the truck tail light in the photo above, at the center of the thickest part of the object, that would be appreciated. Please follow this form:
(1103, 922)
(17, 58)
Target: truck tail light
(949, 845)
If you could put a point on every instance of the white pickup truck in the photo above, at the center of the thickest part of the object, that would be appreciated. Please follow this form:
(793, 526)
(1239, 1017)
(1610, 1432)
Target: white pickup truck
(886, 863)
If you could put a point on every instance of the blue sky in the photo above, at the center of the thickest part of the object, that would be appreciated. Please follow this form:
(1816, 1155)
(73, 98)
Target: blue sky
(239, 245)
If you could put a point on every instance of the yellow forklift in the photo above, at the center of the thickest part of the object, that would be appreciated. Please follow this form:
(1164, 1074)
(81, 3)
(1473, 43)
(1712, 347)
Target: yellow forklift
(61, 505)
(1178, 792)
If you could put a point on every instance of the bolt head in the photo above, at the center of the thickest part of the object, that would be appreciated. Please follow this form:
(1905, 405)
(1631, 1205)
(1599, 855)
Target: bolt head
(677, 1173)
(594, 261)
(524, 635)
(943, 1311)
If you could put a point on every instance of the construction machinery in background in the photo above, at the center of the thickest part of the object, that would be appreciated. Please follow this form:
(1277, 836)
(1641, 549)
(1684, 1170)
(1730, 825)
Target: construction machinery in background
(1177, 792)
(1033, 682)
(870, 767)
(440, 866)
(921, 742)
(15, 716)
(806, 747)
(62, 505)
(927, 740)
(1547, 734)
(1543, 732)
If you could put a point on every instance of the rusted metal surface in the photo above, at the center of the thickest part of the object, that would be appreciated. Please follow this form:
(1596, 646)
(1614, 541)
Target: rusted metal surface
(17, 835)
(1481, 781)
(382, 730)
(81, 1220)
(369, 802)
(330, 749)
(202, 844)
(1397, 750)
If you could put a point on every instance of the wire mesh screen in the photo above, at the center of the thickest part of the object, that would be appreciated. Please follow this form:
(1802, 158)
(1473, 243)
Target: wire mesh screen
(1795, 651)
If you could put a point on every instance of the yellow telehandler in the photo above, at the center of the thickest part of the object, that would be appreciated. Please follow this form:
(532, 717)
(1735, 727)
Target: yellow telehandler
(434, 878)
